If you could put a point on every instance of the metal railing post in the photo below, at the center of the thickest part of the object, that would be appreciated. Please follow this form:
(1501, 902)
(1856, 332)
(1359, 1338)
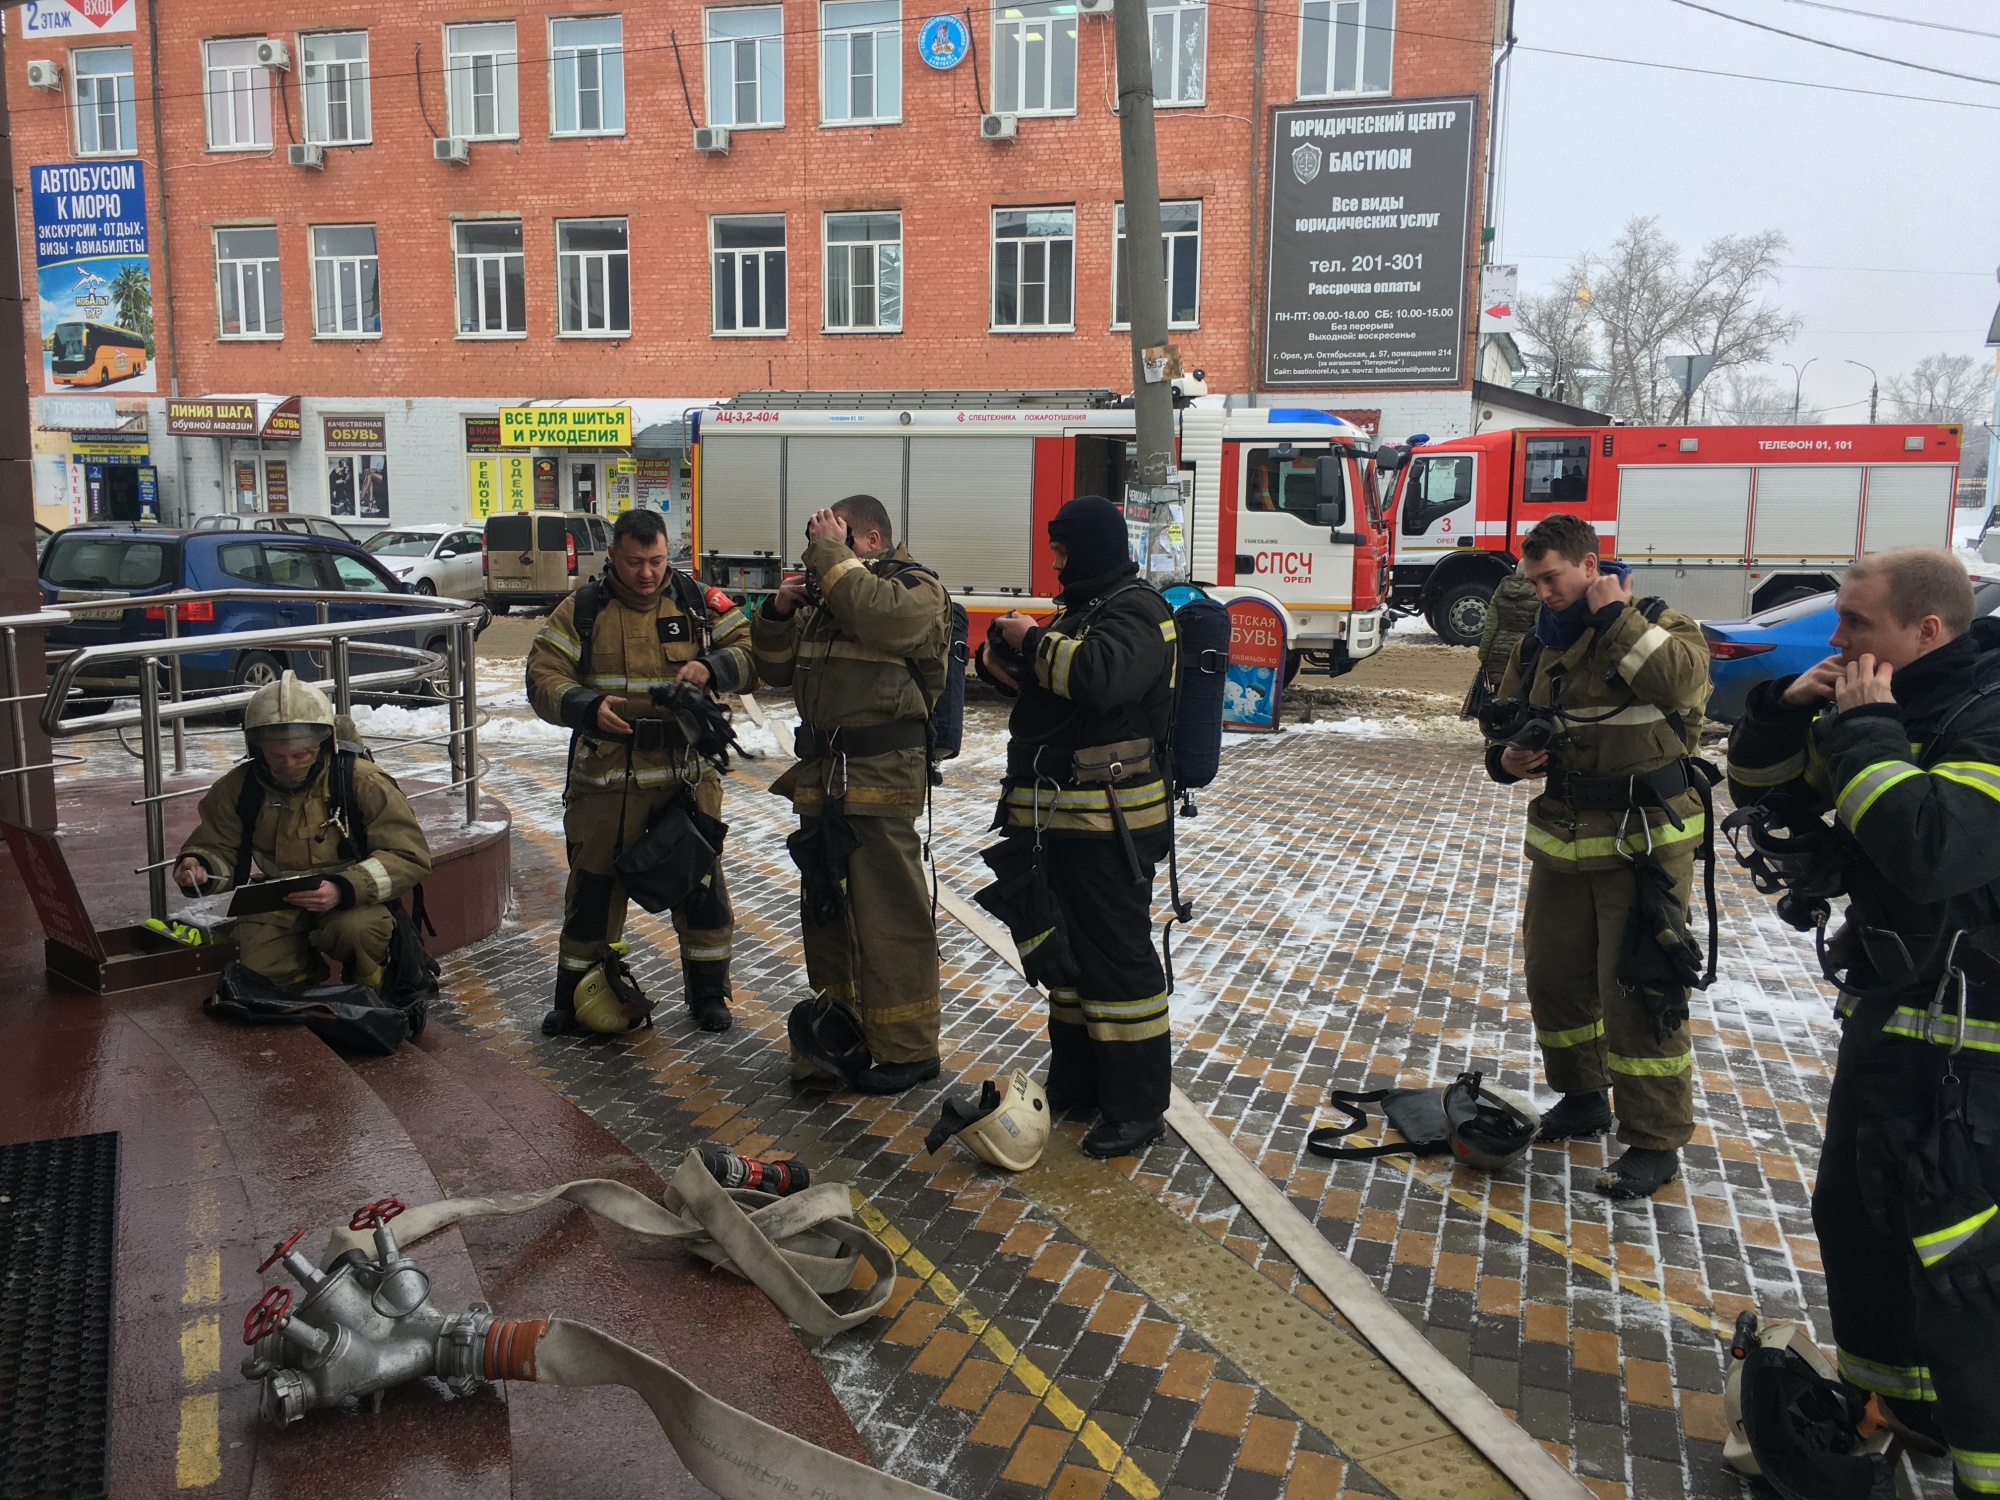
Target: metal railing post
(156, 821)
(343, 693)
(318, 659)
(467, 702)
(174, 692)
(454, 701)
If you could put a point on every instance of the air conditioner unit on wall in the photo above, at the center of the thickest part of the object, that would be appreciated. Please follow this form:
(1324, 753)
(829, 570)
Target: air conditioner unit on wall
(272, 53)
(999, 127)
(451, 148)
(713, 139)
(306, 156)
(1093, 7)
(46, 76)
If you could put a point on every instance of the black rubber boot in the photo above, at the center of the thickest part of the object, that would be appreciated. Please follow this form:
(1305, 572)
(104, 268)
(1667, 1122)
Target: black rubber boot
(1063, 1102)
(706, 986)
(1109, 1138)
(894, 1078)
(1639, 1173)
(561, 1019)
(1575, 1115)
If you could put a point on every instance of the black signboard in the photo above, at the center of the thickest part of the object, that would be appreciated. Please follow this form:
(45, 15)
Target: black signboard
(1370, 206)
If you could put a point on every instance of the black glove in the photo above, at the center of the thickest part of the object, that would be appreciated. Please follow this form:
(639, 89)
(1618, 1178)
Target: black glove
(703, 722)
(1004, 656)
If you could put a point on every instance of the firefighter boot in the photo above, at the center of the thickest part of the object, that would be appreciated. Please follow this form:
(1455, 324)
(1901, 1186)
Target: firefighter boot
(1639, 1173)
(562, 1015)
(1575, 1115)
(705, 984)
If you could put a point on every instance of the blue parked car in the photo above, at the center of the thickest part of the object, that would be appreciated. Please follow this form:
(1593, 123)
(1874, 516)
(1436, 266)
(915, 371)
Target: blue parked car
(129, 562)
(1783, 641)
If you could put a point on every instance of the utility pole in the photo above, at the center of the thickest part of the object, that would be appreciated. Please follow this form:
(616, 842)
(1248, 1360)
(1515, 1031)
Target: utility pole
(1145, 270)
(1874, 387)
(1798, 380)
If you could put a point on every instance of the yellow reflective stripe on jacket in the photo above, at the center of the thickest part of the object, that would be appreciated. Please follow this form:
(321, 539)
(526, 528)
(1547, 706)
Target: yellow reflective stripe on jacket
(1089, 798)
(1169, 630)
(839, 571)
(1784, 771)
(618, 682)
(1980, 775)
(1866, 788)
(558, 639)
(1695, 825)
(1576, 1036)
(1980, 1036)
(1642, 651)
(1061, 656)
(1978, 1472)
(1903, 1382)
(1935, 1246)
(1648, 1067)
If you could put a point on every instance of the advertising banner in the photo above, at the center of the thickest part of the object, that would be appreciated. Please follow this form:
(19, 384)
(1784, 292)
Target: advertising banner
(81, 19)
(1499, 286)
(566, 427)
(1255, 686)
(1370, 204)
(357, 467)
(93, 279)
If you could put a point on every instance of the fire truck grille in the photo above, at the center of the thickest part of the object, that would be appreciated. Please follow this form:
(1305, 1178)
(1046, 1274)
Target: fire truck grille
(58, 1242)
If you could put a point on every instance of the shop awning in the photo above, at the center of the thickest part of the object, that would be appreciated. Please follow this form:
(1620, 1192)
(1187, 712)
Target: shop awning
(661, 440)
(86, 414)
(270, 418)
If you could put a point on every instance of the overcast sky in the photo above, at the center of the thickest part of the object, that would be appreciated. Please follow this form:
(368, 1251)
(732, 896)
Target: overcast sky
(1868, 189)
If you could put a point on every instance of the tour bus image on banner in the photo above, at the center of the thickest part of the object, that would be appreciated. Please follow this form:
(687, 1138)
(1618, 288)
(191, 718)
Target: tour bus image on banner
(92, 276)
(1369, 211)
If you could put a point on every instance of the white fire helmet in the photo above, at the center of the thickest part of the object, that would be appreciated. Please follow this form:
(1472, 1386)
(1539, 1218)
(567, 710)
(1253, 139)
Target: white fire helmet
(1008, 1128)
(287, 711)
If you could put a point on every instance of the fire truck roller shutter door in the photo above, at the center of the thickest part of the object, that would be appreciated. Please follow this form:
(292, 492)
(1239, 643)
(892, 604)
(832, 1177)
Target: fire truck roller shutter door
(822, 470)
(1806, 511)
(971, 510)
(1683, 510)
(740, 480)
(1908, 505)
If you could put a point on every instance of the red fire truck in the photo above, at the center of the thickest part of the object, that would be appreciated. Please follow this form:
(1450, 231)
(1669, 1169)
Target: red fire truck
(1719, 521)
(972, 478)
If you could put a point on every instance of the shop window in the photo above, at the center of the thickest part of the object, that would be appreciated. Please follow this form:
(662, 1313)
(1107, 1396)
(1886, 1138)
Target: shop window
(587, 75)
(1180, 51)
(491, 273)
(594, 277)
(749, 273)
(1034, 268)
(1180, 234)
(346, 298)
(357, 467)
(1345, 47)
(746, 66)
(1034, 58)
(334, 87)
(861, 70)
(864, 273)
(482, 97)
(101, 84)
(238, 96)
(246, 284)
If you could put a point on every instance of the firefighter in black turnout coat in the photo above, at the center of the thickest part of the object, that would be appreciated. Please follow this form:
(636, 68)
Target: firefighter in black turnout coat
(1086, 785)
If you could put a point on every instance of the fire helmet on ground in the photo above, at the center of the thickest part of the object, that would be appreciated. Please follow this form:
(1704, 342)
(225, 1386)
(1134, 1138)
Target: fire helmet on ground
(608, 998)
(287, 712)
(1793, 1423)
(1006, 1127)
(1488, 1126)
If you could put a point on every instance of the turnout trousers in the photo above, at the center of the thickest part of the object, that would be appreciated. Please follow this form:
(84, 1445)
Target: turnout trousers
(292, 946)
(1594, 1033)
(1110, 1046)
(880, 962)
(594, 903)
(1936, 1366)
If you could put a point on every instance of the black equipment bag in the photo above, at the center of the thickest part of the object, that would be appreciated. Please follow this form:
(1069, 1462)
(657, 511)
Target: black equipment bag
(1659, 957)
(1020, 897)
(675, 858)
(1415, 1114)
(1203, 627)
(351, 1016)
(821, 848)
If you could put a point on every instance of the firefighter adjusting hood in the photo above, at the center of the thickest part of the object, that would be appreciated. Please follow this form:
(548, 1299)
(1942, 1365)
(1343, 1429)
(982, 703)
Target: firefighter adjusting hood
(285, 718)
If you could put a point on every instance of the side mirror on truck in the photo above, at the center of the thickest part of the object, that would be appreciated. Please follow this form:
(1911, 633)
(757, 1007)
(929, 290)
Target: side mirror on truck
(1389, 458)
(1331, 486)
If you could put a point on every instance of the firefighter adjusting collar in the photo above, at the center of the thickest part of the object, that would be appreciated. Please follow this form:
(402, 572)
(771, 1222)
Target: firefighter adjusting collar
(1006, 1129)
(287, 716)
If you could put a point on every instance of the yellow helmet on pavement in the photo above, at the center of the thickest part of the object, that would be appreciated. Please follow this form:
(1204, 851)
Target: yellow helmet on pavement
(1008, 1127)
(608, 998)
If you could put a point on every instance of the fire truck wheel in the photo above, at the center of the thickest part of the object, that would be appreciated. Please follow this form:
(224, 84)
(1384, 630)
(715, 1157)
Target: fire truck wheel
(1460, 612)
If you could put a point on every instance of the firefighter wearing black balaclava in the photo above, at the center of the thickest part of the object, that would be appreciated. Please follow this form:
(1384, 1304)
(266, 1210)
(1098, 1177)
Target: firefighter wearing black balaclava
(1898, 735)
(1086, 779)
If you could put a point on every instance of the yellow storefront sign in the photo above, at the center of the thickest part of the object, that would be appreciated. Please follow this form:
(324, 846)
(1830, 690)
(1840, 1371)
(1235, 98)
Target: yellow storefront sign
(566, 427)
(499, 483)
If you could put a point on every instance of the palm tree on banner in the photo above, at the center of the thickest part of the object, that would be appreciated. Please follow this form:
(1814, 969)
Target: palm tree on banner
(132, 294)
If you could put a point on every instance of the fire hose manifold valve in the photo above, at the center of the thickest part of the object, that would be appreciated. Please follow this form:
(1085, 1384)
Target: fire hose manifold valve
(365, 1325)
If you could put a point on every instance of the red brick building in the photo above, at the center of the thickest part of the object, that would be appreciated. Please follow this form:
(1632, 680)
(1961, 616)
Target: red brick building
(858, 232)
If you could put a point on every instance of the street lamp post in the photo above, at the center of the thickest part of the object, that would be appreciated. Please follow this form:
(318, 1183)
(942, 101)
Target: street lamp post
(1798, 379)
(1874, 386)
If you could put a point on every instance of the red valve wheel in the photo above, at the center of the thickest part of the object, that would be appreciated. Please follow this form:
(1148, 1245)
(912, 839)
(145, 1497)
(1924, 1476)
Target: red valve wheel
(369, 1215)
(268, 1316)
(278, 1252)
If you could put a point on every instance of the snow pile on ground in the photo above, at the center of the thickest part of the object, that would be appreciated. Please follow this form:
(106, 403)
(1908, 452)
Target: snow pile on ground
(393, 722)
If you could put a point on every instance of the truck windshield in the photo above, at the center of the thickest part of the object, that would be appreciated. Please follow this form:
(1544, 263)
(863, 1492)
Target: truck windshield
(1286, 483)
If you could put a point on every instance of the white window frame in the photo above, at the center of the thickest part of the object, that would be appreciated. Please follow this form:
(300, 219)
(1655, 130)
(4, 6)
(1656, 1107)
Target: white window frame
(244, 87)
(603, 263)
(1012, 40)
(762, 47)
(317, 82)
(267, 284)
(1372, 20)
(1175, 240)
(124, 106)
(480, 260)
(461, 78)
(761, 254)
(994, 325)
(337, 267)
(609, 60)
(830, 246)
(1178, 16)
(886, 41)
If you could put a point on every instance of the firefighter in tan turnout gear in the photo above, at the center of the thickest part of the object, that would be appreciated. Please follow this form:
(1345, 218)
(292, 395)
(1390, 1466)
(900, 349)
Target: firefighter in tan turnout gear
(862, 642)
(284, 797)
(1602, 701)
(595, 668)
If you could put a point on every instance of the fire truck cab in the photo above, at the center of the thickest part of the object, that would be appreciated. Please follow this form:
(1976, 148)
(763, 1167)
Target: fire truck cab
(1719, 521)
(972, 480)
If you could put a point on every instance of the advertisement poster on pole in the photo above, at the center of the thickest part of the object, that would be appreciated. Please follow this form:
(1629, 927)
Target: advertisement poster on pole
(93, 278)
(1255, 687)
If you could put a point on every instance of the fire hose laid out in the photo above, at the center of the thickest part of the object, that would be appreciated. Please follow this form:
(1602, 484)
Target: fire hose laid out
(367, 1323)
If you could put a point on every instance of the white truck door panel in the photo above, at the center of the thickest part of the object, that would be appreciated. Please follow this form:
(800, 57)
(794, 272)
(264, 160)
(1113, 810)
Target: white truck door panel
(1806, 511)
(740, 481)
(1672, 510)
(1909, 505)
(971, 509)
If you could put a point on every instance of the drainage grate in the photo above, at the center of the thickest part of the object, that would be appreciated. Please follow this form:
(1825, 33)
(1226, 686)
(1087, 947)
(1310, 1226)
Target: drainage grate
(58, 1239)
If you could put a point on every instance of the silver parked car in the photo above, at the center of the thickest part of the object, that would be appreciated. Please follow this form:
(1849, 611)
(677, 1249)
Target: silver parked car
(432, 559)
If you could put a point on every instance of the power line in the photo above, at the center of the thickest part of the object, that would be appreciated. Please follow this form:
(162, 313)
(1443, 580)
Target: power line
(1876, 15)
(1799, 265)
(1800, 36)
